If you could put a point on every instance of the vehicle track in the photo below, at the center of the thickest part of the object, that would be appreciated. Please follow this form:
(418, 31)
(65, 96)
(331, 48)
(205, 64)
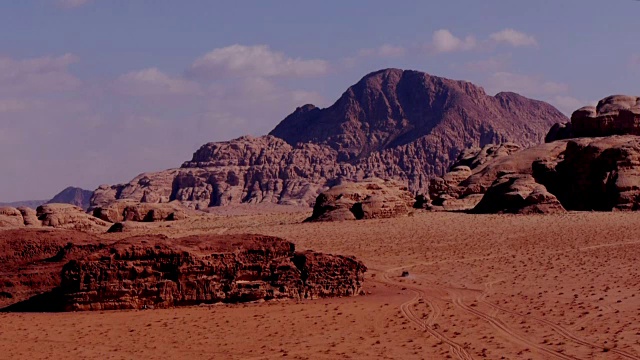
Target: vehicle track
(505, 329)
(562, 331)
(456, 349)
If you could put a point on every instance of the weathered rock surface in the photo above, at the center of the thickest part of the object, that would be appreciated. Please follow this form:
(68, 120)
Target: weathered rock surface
(54, 270)
(10, 217)
(125, 210)
(31, 261)
(368, 199)
(63, 216)
(614, 115)
(601, 174)
(449, 193)
(67, 216)
(393, 124)
(74, 196)
(518, 194)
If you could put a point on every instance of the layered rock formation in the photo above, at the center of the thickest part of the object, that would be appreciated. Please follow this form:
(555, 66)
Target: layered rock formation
(67, 216)
(124, 210)
(368, 199)
(584, 173)
(64, 216)
(31, 261)
(614, 115)
(393, 124)
(59, 270)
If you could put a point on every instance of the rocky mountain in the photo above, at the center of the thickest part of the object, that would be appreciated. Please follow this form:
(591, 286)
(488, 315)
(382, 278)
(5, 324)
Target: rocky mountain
(74, 196)
(393, 124)
(71, 195)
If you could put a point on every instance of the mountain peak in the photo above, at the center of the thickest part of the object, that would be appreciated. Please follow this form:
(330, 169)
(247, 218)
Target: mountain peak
(393, 107)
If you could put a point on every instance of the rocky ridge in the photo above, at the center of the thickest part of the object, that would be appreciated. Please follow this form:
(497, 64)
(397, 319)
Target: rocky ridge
(403, 125)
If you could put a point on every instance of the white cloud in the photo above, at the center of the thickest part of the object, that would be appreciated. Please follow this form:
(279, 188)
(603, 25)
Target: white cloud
(37, 75)
(260, 60)
(443, 41)
(525, 84)
(70, 4)
(513, 38)
(152, 81)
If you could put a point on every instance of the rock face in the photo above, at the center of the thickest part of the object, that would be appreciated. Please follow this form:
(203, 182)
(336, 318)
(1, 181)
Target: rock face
(393, 124)
(67, 216)
(452, 191)
(124, 210)
(31, 261)
(600, 174)
(614, 115)
(368, 199)
(518, 194)
(62, 270)
(74, 196)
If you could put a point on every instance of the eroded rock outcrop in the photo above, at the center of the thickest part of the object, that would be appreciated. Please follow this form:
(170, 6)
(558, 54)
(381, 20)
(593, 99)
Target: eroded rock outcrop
(368, 199)
(31, 261)
(67, 216)
(153, 272)
(614, 115)
(63, 216)
(57, 270)
(518, 194)
(452, 191)
(601, 174)
(393, 124)
(124, 210)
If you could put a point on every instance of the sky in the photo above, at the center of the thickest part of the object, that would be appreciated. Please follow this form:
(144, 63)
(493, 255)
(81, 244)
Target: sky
(97, 91)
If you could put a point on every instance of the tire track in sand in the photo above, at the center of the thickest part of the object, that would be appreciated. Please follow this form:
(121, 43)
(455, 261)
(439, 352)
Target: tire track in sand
(456, 349)
(564, 332)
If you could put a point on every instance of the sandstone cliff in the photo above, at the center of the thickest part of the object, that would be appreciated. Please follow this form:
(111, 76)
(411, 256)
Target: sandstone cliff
(55, 270)
(601, 172)
(393, 124)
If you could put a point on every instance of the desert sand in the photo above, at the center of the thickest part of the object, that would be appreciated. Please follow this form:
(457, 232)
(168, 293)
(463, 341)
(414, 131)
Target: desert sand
(559, 286)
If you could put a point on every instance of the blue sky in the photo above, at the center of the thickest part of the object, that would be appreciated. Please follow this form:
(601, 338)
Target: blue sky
(97, 91)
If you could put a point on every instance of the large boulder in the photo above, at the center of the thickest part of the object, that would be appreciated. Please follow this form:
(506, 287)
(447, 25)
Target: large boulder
(368, 199)
(518, 194)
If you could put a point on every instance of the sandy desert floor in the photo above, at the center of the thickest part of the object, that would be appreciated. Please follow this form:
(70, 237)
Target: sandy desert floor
(479, 286)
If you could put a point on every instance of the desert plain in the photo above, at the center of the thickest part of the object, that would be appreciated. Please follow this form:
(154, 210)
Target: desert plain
(561, 286)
